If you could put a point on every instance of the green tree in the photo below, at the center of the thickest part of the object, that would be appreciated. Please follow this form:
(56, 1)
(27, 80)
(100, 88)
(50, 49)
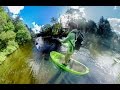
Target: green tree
(56, 28)
(46, 27)
(91, 27)
(54, 20)
(2, 45)
(19, 25)
(22, 33)
(9, 35)
(104, 28)
(23, 36)
(5, 21)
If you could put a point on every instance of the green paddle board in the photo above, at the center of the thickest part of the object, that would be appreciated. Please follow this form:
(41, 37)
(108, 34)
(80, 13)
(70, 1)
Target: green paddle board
(74, 66)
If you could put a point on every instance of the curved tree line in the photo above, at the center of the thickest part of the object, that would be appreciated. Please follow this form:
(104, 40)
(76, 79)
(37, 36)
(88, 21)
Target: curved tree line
(102, 28)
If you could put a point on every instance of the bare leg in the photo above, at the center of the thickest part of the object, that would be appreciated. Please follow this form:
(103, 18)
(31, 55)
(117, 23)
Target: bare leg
(68, 54)
(67, 58)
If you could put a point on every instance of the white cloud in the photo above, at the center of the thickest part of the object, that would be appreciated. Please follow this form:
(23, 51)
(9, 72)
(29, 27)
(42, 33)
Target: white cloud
(74, 7)
(36, 28)
(64, 18)
(82, 10)
(115, 23)
(21, 19)
(42, 26)
(15, 9)
(14, 15)
(115, 7)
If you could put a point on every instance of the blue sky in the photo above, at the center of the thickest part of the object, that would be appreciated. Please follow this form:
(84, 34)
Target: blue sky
(41, 15)
(95, 12)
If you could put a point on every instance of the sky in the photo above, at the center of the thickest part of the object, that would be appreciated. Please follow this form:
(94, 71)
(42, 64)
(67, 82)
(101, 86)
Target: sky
(36, 16)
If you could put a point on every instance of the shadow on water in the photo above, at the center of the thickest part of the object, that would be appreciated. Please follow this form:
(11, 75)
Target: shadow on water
(48, 45)
(55, 77)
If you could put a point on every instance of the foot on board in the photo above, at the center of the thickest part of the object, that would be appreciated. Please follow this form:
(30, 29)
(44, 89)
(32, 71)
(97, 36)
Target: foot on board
(64, 64)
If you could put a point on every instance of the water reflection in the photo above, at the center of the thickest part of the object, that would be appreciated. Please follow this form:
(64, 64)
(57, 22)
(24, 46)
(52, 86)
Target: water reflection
(46, 45)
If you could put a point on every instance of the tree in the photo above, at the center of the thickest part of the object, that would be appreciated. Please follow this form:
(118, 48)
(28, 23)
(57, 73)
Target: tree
(101, 24)
(5, 21)
(91, 27)
(22, 33)
(46, 28)
(6, 36)
(108, 30)
(104, 28)
(9, 26)
(23, 36)
(56, 28)
(18, 24)
(1, 9)
(53, 20)
(2, 45)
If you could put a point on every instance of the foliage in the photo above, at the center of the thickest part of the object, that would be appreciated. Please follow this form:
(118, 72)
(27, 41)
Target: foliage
(56, 28)
(46, 28)
(23, 36)
(5, 21)
(104, 28)
(9, 35)
(22, 33)
(12, 33)
(18, 24)
(2, 45)
(53, 20)
(91, 27)
(2, 57)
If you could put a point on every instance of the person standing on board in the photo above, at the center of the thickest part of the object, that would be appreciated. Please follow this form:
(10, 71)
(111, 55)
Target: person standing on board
(69, 42)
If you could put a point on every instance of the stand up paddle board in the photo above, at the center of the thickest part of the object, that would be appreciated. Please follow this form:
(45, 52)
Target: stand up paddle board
(74, 66)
